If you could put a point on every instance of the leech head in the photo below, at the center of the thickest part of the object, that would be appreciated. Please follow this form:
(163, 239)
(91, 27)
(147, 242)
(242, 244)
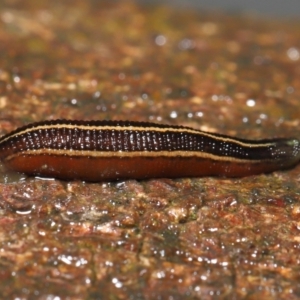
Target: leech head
(295, 144)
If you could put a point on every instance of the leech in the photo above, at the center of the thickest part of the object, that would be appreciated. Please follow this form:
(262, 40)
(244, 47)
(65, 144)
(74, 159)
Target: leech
(114, 150)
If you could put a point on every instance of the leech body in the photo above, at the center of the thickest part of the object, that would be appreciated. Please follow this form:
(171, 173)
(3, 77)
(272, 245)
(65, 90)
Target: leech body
(113, 150)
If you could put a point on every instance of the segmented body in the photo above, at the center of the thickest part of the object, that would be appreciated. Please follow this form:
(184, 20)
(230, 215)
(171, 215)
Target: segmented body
(113, 150)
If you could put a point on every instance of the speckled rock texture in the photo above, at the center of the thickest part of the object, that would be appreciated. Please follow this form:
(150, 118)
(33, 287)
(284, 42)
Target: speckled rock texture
(201, 238)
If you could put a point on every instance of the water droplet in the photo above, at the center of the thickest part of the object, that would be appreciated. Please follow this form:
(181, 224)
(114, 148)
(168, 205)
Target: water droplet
(160, 40)
(173, 114)
(293, 53)
(250, 102)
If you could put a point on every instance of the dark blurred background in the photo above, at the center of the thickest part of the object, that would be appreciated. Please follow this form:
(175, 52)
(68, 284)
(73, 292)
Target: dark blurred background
(283, 8)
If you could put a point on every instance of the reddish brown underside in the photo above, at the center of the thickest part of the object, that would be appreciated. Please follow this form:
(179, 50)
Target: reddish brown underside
(99, 169)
